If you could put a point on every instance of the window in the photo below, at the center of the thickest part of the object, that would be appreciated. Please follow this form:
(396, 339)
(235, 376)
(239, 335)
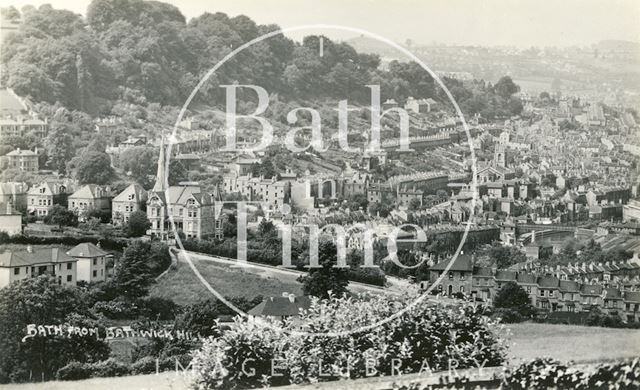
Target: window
(95, 273)
(95, 261)
(450, 275)
(69, 265)
(16, 271)
(69, 278)
(529, 289)
(542, 293)
(461, 275)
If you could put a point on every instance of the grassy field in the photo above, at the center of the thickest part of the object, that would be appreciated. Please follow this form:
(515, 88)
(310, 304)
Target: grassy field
(581, 344)
(182, 286)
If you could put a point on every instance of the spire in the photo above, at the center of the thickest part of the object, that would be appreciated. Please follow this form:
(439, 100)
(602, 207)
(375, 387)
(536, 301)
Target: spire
(161, 174)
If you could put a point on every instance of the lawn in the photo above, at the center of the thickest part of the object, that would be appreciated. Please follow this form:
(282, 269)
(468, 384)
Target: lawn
(183, 287)
(582, 344)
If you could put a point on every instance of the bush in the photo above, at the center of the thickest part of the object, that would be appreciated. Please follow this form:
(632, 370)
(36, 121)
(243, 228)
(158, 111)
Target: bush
(457, 333)
(109, 368)
(508, 316)
(114, 244)
(156, 308)
(542, 374)
(74, 371)
(548, 373)
(117, 309)
(623, 375)
(146, 365)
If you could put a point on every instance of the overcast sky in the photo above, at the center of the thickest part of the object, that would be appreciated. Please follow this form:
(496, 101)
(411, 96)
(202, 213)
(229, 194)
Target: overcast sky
(462, 22)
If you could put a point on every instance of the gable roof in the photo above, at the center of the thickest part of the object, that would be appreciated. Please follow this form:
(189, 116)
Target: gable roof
(461, 263)
(50, 188)
(86, 249)
(36, 256)
(136, 189)
(280, 306)
(90, 191)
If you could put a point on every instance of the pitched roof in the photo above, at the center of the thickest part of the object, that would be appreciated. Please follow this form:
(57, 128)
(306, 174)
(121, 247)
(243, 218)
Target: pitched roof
(86, 249)
(90, 191)
(526, 278)
(461, 263)
(280, 306)
(136, 189)
(548, 281)
(612, 293)
(591, 289)
(483, 271)
(36, 256)
(22, 152)
(569, 285)
(632, 296)
(505, 275)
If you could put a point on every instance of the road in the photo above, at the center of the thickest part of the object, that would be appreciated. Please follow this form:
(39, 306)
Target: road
(394, 286)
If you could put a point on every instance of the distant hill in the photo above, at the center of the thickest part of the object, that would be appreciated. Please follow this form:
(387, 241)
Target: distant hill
(369, 45)
(617, 45)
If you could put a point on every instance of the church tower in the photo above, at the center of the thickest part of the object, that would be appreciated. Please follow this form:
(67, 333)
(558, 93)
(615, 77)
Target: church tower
(500, 156)
(159, 186)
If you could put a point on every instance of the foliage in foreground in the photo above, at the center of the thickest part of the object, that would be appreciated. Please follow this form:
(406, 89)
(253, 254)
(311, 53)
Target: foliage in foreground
(43, 301)
(424, 335)
(548, 373)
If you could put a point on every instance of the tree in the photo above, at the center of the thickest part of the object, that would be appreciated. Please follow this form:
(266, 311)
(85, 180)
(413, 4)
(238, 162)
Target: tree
(141, 163)
(357, 201)
(138, 224)
(95, 168)
(414, 204)
(59, 145)
(177, 173)
(504, 257)
(505, 87)
(320, 281)
(42, 301)
(58, 215)
(513, 297)
(133, 275)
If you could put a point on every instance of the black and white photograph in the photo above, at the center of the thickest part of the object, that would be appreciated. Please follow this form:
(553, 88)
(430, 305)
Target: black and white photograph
(319, 195)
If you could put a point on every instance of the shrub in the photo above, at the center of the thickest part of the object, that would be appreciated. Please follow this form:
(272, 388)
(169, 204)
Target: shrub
(623, 375)
(74, 371)
(109, 368)
(548, 373)
(542, 374)
(157, 308)
(146, 365)
(459, 333)
(117, 309)
(508, 316)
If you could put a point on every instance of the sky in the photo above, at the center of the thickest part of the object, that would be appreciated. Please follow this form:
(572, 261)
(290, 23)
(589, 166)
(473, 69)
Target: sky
(521, 23)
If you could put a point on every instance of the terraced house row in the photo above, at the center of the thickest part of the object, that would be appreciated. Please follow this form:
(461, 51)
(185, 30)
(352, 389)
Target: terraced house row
(547, 290)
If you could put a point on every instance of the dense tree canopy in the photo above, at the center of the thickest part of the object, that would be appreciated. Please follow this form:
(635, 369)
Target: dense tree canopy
(140, 52)
(42, 300)
(320, 281)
